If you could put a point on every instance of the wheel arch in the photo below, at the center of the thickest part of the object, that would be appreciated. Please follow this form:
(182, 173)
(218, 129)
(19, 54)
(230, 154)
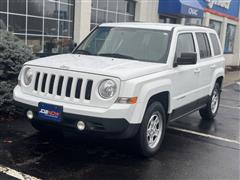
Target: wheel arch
(220, 81)
(218, 76)
(162, 97)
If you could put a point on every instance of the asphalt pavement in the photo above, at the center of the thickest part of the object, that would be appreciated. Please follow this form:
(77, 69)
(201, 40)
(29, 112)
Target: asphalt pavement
(192, 149)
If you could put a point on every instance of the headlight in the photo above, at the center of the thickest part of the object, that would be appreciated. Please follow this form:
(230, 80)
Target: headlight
(27, 76)
(107, 89)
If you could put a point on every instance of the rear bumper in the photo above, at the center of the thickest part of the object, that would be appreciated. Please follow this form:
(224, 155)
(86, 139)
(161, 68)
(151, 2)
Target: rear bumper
(108, 128)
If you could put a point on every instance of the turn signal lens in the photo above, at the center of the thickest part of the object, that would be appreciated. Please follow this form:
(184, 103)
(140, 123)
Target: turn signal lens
(124, 100)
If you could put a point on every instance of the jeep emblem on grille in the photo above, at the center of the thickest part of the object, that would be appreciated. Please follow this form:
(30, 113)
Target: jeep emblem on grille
(65, 67)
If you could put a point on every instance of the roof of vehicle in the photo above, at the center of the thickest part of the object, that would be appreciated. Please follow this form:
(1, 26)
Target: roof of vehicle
(159, 26)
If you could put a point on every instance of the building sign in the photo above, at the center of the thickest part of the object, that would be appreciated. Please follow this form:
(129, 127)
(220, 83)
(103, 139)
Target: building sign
(221, 3)
(188, 8)
(190, 11)
(228, 8)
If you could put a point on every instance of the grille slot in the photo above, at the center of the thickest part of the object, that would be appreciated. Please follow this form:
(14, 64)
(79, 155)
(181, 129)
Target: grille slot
(78, 88)
(44, 82)
(69, 87)
(50, 91)
(88, 90)
(36, 81)
(59, 88)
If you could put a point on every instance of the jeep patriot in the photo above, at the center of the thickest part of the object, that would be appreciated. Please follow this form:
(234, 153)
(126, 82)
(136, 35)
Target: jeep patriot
(125, 80)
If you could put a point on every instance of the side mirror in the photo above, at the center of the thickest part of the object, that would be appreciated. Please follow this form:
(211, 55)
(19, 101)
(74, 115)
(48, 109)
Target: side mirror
(187, 59)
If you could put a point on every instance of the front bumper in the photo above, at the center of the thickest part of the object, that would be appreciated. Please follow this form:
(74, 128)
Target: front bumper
(122, 111)
(105, 127)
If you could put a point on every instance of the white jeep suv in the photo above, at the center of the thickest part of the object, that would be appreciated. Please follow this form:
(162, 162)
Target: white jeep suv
(125, 80)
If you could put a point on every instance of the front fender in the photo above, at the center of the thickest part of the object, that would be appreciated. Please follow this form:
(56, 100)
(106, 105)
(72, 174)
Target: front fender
(146, 92)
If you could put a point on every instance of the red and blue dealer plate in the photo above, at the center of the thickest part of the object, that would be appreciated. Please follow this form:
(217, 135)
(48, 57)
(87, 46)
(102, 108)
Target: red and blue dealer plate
(49, 112)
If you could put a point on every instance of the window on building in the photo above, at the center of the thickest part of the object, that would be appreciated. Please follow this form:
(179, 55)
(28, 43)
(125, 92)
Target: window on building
(51, 9)
(50, 27)
(65, 28)
(35, 25)
(17, 6)
(67, 1)
(112, 11)
(182, 46)
(3, 21)
(216, 25)
(230, 36)
(203, 44)
(215, 43)
(3, 5)
(66, 12)
(35, 7)
(17, 24)
(35, 43)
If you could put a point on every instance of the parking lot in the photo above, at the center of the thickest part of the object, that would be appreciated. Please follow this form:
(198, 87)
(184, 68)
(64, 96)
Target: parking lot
(192, 149)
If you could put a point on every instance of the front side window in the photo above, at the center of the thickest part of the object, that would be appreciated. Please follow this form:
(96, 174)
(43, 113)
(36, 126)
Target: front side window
(203, 44)
(182, 46)
(128, 43)
(215, 43)
(230, 36)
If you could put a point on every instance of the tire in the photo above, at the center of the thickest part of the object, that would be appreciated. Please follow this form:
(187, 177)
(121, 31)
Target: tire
(210, 111)
(154, 112)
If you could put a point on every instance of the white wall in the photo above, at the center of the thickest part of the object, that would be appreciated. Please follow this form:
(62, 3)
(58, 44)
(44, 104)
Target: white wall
(82, 19)
(147, 11)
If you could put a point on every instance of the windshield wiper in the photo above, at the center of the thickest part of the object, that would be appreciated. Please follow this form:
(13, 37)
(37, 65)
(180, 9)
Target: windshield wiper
(116, 55)
(81, 51)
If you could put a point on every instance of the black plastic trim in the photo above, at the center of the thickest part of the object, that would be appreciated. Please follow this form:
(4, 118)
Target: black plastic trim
(105, 127)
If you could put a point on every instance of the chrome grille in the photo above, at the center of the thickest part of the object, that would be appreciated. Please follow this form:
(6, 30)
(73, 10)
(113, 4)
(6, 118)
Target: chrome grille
(64, 86)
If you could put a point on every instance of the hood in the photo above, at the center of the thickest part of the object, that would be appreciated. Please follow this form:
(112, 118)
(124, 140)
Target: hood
(121, 68)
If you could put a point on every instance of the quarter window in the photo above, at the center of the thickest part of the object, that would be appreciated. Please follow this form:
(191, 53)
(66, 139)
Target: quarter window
(203, 44)
(215, 43)
(182, 46)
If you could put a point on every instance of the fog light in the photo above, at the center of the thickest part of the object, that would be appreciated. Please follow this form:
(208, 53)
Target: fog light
(30, 114)
(81, 125)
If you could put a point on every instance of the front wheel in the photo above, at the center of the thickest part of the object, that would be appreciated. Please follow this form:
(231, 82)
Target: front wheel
(211, 109)
(152, 129)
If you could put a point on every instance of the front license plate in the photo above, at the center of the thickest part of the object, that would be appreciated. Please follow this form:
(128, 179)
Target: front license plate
(49, 112)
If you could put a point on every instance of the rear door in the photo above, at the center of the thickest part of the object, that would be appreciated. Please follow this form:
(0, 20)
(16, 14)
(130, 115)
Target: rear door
(204, 64)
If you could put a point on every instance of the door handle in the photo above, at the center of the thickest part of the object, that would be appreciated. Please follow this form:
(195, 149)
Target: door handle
(197, 70)
(213, 66)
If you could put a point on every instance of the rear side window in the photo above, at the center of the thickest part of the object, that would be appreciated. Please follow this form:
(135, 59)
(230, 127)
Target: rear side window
(185, 44)
(203, 44)
(215, 43)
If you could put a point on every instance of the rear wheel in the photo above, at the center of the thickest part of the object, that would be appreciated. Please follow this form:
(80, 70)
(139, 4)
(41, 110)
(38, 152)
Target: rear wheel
(152, 129)
(210, 111)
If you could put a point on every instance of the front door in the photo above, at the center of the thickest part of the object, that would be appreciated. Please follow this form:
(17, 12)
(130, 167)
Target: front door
(185, 78)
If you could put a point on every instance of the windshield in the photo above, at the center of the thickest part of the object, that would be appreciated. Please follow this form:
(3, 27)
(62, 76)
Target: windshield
(127, 43)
